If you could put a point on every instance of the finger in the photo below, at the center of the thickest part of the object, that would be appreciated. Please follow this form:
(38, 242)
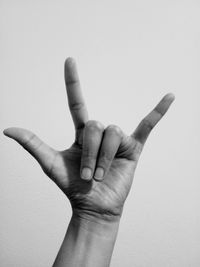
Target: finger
(109, 147)
(75, 99)
(92, 137)
(36, 147)
(147, 124)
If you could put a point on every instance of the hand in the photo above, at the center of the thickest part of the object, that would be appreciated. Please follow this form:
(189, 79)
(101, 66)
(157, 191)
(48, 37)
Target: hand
(97, 171)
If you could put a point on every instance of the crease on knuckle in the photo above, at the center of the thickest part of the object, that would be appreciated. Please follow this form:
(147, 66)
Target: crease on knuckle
(29, 144)
(88, 155)
(76, 106)
(29, 140)
(147, 124)
(71, 82)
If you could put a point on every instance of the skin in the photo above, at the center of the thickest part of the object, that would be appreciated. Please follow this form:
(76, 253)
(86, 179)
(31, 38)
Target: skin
(95, 196)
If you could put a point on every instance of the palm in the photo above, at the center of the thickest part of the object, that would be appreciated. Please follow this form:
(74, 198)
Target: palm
(116, 152)
(107, 196)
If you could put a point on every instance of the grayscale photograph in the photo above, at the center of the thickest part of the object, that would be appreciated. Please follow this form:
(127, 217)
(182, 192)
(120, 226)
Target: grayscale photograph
(100, 133)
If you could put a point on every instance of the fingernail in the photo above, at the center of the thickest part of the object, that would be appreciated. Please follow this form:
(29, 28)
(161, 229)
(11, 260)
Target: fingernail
(99, 173)
(86, 173)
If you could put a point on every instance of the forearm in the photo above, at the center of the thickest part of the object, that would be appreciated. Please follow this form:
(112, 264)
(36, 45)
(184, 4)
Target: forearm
(87, 243)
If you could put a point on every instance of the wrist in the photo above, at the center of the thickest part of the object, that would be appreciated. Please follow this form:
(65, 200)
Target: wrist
(102, 226)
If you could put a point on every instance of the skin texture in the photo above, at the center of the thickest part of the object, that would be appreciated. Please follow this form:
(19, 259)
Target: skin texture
(97, 171)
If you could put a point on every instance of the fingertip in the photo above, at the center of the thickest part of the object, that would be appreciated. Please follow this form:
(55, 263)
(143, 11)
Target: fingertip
(86, 174)
(170, 97)
(99, 174)
(70, 71)
(7, 131)
(69, 62)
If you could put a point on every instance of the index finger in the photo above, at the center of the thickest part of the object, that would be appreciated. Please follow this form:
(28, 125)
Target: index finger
(75, 98)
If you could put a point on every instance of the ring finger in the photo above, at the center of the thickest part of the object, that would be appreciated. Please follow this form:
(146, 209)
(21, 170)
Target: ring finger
(110, 145)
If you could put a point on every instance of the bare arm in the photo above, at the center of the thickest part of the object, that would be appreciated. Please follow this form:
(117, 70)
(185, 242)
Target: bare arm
(87, 243)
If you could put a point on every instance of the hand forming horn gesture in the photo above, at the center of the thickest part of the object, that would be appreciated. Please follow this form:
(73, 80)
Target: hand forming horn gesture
(97, 171)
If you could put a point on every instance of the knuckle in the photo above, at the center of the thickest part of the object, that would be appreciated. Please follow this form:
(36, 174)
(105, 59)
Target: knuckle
(94, 125)
(29, 139)
(147, 124)
(76, 106)
(32, 143)
(114, 128)
(88, 154)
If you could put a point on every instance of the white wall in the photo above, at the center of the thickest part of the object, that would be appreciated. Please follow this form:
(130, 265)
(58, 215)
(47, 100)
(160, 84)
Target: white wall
(129, 54)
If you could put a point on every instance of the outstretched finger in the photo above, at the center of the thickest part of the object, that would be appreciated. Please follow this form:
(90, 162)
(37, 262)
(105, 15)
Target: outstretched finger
(75, 98)
(36, 147)
(147, 124)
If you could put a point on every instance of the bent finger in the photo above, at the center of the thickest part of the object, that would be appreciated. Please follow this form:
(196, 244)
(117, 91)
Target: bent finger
(109, 147)
(92, 137)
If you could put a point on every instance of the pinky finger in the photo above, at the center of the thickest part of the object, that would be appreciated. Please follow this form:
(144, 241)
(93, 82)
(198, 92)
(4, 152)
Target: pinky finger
(147, 124)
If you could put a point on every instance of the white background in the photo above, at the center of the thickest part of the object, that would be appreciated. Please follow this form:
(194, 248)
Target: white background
(129, 54)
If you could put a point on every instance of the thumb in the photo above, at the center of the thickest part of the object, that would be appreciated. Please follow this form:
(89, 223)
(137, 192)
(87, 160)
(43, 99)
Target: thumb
(36, 147)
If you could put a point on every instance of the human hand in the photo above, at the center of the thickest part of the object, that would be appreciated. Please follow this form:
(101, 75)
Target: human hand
(97, 171)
